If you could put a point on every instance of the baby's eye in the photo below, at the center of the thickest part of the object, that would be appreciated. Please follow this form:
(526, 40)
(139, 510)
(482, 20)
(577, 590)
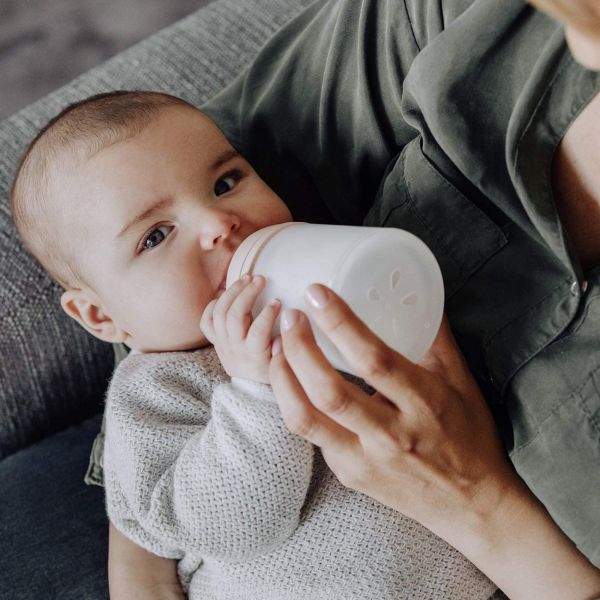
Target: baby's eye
(230, 179)
(155, 237)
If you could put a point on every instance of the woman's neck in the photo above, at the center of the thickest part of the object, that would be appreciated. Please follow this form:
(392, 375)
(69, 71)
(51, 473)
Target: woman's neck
(576, 183)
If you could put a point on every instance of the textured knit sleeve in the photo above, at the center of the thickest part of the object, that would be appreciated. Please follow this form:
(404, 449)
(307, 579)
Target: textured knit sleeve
(185, 472)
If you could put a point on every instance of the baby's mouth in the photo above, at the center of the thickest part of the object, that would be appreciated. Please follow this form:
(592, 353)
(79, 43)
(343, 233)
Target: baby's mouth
(221, 287)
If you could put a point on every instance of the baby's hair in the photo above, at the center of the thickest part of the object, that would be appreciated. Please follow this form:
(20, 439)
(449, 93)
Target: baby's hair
(81, 129)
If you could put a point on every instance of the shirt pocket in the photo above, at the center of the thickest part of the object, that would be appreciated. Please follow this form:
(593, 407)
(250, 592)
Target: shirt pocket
(415, 196)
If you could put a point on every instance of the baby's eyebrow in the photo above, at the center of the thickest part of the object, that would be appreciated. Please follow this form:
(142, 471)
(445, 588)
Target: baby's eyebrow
(224, 157)
(149, 212)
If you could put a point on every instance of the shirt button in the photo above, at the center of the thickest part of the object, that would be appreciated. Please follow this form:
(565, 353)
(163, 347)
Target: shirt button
(575, 287)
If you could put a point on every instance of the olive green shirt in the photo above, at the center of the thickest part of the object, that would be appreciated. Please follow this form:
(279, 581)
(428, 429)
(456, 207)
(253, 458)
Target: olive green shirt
(441, 118)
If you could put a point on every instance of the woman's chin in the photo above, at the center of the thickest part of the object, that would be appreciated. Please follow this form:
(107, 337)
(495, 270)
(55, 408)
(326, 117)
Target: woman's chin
(585, 48)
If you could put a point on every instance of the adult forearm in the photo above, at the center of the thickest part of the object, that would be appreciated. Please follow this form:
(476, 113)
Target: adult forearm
(426, 445)
(136, 574)
(518, 545)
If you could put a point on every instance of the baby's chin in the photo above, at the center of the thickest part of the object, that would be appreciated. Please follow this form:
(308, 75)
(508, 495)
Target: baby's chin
(183, 340)
(172, 346)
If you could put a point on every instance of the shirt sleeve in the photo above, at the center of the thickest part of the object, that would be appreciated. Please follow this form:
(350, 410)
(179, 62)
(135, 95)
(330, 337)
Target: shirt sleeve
(317, 114)
(223, 478)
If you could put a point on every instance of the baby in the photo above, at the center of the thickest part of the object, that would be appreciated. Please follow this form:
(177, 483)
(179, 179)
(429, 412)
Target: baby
(135, 202)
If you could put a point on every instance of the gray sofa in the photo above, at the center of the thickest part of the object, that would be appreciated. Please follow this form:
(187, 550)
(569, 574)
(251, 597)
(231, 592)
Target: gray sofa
(53, 375)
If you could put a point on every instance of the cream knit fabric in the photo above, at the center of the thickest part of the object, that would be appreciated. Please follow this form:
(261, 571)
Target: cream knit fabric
(201, 468)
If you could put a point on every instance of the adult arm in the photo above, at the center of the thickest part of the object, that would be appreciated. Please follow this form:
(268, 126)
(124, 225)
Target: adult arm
(136, 574)
(424, 444)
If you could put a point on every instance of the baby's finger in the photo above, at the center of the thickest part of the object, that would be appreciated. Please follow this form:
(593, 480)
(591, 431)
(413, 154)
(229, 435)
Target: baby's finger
(239, 314)
(206, 321)
(224, 302)
(259, 335)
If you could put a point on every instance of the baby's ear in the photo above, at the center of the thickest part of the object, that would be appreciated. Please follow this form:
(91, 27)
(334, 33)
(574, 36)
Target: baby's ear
(84, 308)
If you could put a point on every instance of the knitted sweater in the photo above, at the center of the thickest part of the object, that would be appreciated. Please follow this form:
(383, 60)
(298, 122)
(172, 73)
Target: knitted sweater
(202, 469)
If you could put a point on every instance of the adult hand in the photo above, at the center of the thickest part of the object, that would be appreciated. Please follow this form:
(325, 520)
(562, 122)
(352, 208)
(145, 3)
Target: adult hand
(424, 444)
(582, 27)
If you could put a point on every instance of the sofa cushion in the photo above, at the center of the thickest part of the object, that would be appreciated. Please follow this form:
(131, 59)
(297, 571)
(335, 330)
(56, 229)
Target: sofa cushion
(53, 373)
(53, 527)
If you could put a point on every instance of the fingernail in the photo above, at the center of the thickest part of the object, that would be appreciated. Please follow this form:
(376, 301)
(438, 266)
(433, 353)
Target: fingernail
(317, 296)
(276, 348)
(289, 317)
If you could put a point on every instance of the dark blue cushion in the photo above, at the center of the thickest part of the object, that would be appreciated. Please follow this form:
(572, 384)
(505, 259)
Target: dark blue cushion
(53, 527)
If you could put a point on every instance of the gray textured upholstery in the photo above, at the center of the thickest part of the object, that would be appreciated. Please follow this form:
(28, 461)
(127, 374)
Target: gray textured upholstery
(52, 373)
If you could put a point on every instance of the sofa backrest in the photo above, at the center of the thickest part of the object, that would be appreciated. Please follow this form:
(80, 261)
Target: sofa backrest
(52, 373)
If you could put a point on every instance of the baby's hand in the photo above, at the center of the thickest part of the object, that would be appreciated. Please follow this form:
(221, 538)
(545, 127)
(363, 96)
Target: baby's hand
(243, 345)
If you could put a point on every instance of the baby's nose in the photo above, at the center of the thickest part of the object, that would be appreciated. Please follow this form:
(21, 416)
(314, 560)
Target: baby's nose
(216, 227)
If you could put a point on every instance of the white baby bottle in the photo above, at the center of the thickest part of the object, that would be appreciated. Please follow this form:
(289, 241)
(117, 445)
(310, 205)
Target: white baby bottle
(388, 277)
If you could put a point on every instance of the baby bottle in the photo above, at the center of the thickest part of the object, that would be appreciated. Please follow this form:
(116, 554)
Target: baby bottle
(387, 276)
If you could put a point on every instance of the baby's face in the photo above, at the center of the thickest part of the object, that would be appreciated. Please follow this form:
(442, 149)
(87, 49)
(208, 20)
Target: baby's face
(156, 220)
